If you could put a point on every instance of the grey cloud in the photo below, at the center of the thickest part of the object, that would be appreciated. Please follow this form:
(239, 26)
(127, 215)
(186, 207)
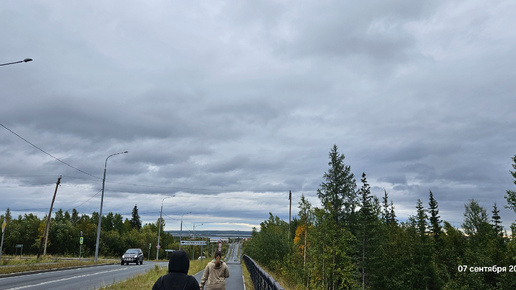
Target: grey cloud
(216, 98)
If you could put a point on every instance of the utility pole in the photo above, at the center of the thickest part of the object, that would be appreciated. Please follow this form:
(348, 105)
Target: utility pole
(4, 224)
(45, 233)
(289, 212)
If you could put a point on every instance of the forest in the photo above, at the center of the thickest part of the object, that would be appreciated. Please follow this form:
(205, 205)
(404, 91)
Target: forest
(117, 234)
(355, 240)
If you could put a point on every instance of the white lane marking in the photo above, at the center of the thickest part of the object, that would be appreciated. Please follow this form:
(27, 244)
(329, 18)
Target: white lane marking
(65, 279)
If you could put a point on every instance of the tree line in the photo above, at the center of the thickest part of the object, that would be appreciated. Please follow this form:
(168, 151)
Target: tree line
(354, 240)
(117, 234)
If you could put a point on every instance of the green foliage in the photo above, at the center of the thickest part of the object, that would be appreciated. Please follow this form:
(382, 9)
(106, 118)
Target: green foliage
(511, 194)
(270, 246)
(336, 247)
(136, 223)
(435, 222)
(65, 232)
(338, 192)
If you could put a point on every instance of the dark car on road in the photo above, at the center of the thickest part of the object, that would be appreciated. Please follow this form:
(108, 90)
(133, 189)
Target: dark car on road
(132, 256)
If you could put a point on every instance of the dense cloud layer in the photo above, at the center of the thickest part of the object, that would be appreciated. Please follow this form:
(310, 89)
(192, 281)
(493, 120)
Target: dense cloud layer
(230, 105)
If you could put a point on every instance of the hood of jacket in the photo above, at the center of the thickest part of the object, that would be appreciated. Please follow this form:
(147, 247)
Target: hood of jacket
(179, 262)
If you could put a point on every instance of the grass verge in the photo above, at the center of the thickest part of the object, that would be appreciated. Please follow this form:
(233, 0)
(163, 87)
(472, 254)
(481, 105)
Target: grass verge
(247, 278)
(16, 265)
(147, 280)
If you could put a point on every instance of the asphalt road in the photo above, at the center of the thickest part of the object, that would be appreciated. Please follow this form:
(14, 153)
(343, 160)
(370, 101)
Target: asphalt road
(235, 280)
(95, 277)
(80, 278)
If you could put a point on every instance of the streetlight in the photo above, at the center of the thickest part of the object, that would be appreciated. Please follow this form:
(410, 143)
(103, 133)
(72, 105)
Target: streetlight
(101, 202)
(181, 231)
(25, 60)
(193, 247)
(159, 225)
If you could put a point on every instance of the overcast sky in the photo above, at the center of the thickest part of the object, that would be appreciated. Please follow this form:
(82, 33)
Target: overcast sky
(231, 104)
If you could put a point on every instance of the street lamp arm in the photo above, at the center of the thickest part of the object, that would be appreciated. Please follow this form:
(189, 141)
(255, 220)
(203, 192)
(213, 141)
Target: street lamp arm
(105, 163)
(25, 60)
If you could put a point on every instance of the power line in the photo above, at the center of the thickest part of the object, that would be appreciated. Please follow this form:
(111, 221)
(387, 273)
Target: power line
(75, 207)
(27, 141)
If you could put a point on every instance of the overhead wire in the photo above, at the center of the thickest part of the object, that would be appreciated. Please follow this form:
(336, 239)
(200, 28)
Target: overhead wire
(218, 191)
(33, 145)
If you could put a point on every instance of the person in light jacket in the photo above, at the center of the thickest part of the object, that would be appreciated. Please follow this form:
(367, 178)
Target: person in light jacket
(177, 277)
(215, 274)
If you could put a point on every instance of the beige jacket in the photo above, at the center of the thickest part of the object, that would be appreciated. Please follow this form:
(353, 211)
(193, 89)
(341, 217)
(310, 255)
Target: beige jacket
(215, 277)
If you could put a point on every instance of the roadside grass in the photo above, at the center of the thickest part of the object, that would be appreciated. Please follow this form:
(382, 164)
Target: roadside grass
(282, 278)
(12, 265)
(147, 280)
(247, 278)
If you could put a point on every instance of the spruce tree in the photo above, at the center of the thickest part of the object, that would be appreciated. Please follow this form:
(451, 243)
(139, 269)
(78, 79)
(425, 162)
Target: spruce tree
(365, 215)
(511, 194)
(338, 193)
(339, 198)
(497, 222)
(369, 235)
(389, 216)
(435, 222)
(136, 223)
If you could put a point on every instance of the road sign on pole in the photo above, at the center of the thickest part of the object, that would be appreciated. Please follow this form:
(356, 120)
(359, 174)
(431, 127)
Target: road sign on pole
(3, 226)
(193, 243)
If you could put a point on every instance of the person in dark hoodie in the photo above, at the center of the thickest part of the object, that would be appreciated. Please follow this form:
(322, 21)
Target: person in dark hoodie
(177, 277)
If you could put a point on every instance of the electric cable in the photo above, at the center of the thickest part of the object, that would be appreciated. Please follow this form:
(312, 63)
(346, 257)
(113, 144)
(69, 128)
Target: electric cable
(27, 141)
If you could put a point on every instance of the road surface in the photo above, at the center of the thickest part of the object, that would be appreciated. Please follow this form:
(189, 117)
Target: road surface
(235, 280)
(95, 277)
(80, 278)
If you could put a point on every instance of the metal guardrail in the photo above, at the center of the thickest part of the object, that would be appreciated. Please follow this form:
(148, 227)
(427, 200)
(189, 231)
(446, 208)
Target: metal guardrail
(261, 279)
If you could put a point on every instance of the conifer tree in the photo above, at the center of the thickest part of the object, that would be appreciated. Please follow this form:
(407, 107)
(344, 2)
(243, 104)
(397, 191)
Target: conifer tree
(339, 198)
(366, 219)
(338, 193)
(497, 223)
(421, 219)
(136, 223)
(435, 222)
(511, 194)
(389, 216)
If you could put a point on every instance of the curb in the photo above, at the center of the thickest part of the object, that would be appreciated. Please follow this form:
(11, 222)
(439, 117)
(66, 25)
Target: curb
(50, 270)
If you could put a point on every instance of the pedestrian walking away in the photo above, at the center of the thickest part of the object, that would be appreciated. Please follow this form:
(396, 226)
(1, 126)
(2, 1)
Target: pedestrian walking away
(177, 277)
(215, 274)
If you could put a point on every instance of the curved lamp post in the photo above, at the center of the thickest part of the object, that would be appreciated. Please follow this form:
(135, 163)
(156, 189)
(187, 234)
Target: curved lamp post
(193, 247)
(25, 60)
(181, 231)
(159, 225)
(101, 202)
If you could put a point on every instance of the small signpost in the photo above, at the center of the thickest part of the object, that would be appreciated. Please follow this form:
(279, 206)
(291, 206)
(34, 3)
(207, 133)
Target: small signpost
(150, 246)
(19, 246)
(81, 241)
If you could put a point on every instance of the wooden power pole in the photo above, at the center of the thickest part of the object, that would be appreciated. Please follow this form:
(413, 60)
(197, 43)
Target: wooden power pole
(45, 233)
(289, 212)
